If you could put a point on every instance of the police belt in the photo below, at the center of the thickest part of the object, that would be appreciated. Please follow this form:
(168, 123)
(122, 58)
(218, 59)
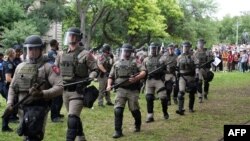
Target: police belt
(40, 102)
(170, 72)
(130, 87)
(187, 74)
(71, 88)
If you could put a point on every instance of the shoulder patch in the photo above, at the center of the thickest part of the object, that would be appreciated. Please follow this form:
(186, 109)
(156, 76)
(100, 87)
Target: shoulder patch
(56, 69)
(101, 58)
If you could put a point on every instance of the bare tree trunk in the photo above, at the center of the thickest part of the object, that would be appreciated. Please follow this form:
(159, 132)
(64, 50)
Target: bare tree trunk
(82, 10)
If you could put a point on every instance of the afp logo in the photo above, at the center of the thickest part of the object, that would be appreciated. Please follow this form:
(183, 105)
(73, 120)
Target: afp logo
(236, 132)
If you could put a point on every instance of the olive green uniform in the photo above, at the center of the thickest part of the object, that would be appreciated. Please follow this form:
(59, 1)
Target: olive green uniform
(25, 76)
(106, 62)
(75, 66)
(203, 57)
(171, 80)
(127, 92)
(187, 82)
(154, 84)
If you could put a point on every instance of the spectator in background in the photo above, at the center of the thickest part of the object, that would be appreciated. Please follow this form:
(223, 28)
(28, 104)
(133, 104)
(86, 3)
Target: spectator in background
(57, 102)
(216, 55)
(248, 62)
(230, 61)
(244, 59)
(236, 56)
(224, 60)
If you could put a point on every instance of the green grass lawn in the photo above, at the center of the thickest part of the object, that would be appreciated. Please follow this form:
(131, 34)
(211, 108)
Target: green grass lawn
(228, 103)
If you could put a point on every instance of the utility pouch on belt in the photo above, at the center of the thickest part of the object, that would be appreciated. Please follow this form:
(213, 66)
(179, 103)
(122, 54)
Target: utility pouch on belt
(89, 96)
(33, 120)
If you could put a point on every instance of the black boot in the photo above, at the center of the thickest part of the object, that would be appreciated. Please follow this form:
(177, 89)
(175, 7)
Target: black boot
(80, 134)
(137, 116)
(191, 102)
(169, 96)
(118, 122)
(175, 101)
(164, 104)
(180, 110)
(206, 88)
(73, 124)
(5, 125)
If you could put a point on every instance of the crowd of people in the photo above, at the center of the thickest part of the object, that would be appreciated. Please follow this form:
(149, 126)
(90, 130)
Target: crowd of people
(48, 81)
(234, 58)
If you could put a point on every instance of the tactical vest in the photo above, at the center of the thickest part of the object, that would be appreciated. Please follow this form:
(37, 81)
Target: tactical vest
(152, 63)
(125, 68)
(172, 63)
(107, 64)
(26, 76)
(73, 65)
(186, 64)
(202, 57)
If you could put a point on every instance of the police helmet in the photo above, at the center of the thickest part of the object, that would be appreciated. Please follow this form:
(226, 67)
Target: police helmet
(202, 41)
(187, 44)
(106, 48)
(33, 41)
(127, 46)
(126, 51)
(154, 49)
(17, 47)
(73, 31)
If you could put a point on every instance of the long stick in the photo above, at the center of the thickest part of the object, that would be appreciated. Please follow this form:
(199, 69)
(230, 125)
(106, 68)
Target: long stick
(8, 112)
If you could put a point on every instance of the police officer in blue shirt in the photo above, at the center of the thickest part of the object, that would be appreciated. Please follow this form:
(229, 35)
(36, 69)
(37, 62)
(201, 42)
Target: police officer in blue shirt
(9, 69)
(3, 90)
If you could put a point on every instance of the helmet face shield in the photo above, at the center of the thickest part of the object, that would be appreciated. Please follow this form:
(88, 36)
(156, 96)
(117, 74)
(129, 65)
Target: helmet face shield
(200, 45)
(153, 51)
(71, 38)
(185, 49)
(125, 53)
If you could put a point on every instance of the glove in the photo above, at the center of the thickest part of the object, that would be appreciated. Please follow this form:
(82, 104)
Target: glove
(35, 92)
(93, 75)
(211, 61)
(9, 108)
(111, 56)
(106, 74)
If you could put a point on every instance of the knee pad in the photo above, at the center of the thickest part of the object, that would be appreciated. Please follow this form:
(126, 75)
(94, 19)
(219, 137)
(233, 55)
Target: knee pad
(150, 97)
(73, 127)
(181, 95)
(169, 85)
(73, 121)
(119, 111)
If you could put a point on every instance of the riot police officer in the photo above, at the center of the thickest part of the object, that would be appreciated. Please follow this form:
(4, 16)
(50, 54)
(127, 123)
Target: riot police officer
(186, 74)
(155, 82)
(203, 61)
(104, 62)
(126, 69)
(171, 80)
(39, 80)
(76, 64)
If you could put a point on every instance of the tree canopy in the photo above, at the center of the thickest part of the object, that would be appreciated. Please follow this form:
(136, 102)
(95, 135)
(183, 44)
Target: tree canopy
(118, 21)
